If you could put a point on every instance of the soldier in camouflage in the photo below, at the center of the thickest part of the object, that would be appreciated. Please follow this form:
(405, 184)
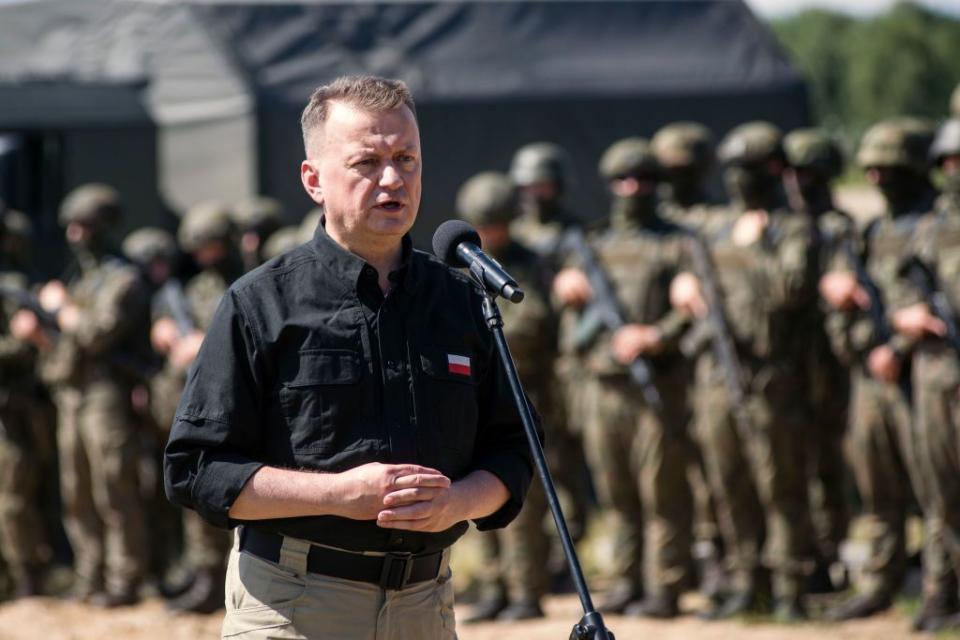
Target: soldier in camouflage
(542, 173)
(24, 444)
(880, 446)
(255, 220)
(955, 103)
(282, 240)
(685, 151)
(205, 234)
(639, 453)
(936, 369)
(517, 560)
(814, 160)
(93, 360)
(760, 256)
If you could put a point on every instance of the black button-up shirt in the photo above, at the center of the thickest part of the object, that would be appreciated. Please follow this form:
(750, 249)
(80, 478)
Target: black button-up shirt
(307, 365)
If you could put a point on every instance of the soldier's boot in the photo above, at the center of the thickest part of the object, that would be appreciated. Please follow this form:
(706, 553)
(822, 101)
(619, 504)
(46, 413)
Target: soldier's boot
(623, 595)
(524, 609)
(789, 610)
(714, 583)
(862, 605)
(123, 596)
(936, 611)
(755, 599)
(662, 606)
(205, 595)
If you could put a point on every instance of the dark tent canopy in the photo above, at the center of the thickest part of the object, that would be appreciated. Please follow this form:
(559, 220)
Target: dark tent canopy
(178, 102)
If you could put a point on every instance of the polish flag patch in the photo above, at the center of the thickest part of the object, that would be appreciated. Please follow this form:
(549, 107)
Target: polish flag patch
(458, 365)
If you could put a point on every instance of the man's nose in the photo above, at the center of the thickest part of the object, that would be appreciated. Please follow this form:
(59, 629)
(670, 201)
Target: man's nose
(390, 178)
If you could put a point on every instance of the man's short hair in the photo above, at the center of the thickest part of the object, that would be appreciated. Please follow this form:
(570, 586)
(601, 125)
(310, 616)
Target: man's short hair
(369, 93)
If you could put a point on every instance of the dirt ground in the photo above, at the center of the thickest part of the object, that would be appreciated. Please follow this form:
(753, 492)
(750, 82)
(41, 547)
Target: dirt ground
(48, 619)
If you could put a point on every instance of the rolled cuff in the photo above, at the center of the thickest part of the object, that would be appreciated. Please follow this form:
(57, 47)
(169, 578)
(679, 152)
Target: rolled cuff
(514, 471)
(217, 486)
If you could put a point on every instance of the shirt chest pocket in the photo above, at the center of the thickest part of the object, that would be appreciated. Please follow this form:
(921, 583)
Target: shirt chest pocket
(450, 396)
(323, 398)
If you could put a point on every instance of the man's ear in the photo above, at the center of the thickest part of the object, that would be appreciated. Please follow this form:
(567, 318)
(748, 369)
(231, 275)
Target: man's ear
(310, 178)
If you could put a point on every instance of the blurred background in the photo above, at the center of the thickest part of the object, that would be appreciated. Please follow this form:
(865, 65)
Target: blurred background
(176, 103)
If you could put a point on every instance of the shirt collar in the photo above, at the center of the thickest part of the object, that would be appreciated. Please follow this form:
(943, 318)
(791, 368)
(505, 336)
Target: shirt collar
(348, 267)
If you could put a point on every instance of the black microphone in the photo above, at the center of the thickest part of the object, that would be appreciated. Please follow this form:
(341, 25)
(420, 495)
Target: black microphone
(458, 245)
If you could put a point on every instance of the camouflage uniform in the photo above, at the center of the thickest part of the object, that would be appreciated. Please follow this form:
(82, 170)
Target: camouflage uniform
(814, 160)
(686, 152)
(955, 103)
(205, 546)
(880, 445)
(759, 484)
(639, 455)
(283, 239)
(24, 450)
(517, 556)
(540, 227)
(255, 220)
(93, 369)
(936, 381)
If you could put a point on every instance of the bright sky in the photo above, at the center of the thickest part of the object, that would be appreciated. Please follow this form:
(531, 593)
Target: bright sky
(859, 7)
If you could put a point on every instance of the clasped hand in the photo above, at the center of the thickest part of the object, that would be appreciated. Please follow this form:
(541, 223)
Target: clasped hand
(401, 496)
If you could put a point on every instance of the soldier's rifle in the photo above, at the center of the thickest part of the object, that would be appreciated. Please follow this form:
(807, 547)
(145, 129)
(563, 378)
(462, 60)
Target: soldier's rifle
(175, 302)
(924, 279)
(604, 312)
(721, 338)
(23, 299)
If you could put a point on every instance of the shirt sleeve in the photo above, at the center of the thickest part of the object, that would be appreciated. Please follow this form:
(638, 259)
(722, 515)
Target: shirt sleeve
(501, 446)
(215, 435)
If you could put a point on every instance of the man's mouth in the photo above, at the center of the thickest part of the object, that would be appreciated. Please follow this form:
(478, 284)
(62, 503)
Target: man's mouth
(390, 205)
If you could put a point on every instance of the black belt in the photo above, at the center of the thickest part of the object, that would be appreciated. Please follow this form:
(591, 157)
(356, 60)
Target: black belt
(395, 570)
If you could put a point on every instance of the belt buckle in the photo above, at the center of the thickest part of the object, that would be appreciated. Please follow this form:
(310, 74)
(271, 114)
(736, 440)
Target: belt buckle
(397, 567)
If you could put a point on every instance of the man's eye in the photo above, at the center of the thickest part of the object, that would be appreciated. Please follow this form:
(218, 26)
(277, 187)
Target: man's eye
(367, 162)
(407, 159)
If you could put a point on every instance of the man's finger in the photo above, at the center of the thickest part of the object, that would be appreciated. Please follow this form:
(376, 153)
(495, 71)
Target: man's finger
(936, 326)
(405, 525)
(410, 496)
(420, 480)
(416, 511)
(861, 298)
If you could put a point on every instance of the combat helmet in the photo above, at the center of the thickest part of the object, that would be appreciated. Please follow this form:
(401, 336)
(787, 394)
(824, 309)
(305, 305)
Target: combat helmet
(282, 240)
(628, 157)
(751, 143)
(310, 222)
(684, 144)
(487, 198)
(947, 141)
(540, 162)
(261, 214)
(897, 142)
(203, 223)
(814, 149)
(96, 205)
(147, 244)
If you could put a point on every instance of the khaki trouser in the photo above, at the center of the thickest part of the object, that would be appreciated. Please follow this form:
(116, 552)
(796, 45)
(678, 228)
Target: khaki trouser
(268, 600)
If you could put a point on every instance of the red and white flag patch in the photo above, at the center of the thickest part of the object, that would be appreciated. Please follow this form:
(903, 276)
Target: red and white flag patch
(458, 365)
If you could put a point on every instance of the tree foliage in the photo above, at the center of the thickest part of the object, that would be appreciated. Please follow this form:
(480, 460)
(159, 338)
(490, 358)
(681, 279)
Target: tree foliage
(906, 61)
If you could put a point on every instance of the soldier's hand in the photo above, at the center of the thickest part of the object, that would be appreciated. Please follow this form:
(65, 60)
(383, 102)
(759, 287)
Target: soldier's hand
(185, 350)
(164, 335)
(572, 288)
(686, 296)
(842, 291)
(53, 296)
(363, 491)
(916, 321)
(69, 317)
(749, 227)
(25, 326)
(634, 340)
(884, 365)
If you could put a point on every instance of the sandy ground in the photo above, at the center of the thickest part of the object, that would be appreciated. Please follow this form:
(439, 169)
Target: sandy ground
(49, 619)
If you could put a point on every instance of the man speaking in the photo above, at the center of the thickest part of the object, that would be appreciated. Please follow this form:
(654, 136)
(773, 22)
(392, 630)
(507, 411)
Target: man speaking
(347, 407)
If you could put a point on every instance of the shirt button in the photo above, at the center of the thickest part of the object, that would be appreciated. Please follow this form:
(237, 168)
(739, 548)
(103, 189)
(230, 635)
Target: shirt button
(399, 539)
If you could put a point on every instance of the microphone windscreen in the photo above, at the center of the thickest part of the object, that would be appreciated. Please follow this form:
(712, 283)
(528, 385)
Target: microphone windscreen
(448, 236)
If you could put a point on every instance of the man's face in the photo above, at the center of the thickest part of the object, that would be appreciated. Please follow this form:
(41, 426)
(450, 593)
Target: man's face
(364, 169)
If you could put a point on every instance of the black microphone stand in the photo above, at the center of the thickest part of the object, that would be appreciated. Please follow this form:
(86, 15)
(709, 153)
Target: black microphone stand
(591, 626)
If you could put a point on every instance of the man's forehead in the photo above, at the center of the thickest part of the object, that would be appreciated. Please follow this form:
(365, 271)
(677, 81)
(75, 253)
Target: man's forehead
(358, 127)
